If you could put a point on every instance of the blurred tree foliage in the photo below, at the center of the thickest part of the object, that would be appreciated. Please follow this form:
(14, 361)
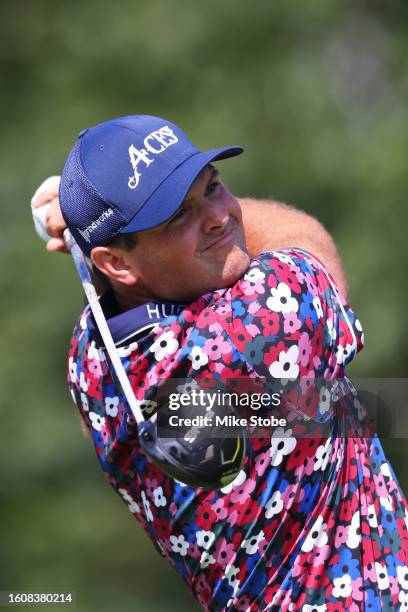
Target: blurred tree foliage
(316, 91)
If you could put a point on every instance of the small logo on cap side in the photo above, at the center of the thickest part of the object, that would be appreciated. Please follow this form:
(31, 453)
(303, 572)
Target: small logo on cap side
(95, 224)
(155, 143)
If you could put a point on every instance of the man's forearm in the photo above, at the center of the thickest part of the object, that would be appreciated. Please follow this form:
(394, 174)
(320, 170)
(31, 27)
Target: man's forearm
(272, 226)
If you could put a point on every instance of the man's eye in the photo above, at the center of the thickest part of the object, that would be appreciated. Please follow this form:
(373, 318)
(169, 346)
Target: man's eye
(212, 187)
(178, 215)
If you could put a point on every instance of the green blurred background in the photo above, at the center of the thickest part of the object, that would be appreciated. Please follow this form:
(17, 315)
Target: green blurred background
(316, 91)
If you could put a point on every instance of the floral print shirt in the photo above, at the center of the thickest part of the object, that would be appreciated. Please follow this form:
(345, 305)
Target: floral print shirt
(309, 523)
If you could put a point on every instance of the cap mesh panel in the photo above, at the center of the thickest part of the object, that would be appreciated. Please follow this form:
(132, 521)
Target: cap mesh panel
(82, 205)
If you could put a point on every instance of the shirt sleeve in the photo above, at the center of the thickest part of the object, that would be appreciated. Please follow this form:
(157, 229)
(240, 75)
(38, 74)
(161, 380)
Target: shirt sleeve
(295, 321)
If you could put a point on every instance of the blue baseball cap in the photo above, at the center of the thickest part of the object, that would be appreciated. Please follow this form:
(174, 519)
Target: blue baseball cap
(127, 175)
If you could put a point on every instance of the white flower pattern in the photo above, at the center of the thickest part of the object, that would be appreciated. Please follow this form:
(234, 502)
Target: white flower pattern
(282, 300)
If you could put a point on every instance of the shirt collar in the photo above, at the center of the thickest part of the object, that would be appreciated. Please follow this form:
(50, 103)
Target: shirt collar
(135, 322)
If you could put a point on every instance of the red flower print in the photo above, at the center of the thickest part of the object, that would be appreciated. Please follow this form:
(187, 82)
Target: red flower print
(206, 516)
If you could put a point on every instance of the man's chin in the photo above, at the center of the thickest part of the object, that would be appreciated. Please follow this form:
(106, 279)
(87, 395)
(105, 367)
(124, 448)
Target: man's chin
(235, 267)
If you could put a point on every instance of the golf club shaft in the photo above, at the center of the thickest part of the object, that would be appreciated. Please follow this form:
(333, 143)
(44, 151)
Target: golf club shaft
(102, 325)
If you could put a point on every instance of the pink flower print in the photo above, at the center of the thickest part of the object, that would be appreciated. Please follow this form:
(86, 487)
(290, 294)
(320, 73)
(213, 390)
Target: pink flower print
(307, 382)
(219, 367)
(224, 552)
(333, 368)
(194, 551)
(150, 485)
(216, 347)
(305, 348)
(152, 377)
(394, 586)
(220, 509)
(253, 307)
(365, 468)
(296, 272)
(289, 495)
(173, 508)
(380, 485)
(223, 308)
(345, 491)
(392, 486)
(316, 361)
(305, 469)
(105, 434)
(310, 283)
(253, 282)
(341, 535)
(301, 564)
(262, 461)
(262, 546)
(94, 368)
(215, 328)
(233, 517)
(370, 572)
(241, 493)
(321, 554)
(291, 323)
(243, 603)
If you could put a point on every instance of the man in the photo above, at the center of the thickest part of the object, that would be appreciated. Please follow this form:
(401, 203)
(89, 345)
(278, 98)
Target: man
(309, 523)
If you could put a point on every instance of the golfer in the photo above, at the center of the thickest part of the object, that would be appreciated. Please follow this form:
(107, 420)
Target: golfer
(202, 288)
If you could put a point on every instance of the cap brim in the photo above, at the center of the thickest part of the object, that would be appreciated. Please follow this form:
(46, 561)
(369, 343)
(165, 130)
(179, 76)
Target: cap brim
(167, 198)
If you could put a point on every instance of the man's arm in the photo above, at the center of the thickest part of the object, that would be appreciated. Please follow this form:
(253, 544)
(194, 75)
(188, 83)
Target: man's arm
(273, 225)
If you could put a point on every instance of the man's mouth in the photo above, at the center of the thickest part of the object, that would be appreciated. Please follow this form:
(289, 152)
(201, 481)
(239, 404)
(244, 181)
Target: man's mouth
(226, 238)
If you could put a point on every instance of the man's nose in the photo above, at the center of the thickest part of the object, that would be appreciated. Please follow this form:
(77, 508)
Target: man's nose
(215, 217)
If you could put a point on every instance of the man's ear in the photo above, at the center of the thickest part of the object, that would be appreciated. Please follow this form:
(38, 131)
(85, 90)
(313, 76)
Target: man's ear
(115, 264)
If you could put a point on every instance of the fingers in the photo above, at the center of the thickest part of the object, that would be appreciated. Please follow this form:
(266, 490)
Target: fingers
(45, 197)
(47, 191)
(57, 245)
(48, 220)
(55, 222)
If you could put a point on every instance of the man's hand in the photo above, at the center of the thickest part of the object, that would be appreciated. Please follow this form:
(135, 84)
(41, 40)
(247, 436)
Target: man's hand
(48, 219)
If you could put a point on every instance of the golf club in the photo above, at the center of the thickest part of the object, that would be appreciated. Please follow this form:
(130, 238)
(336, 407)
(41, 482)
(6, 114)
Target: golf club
(208, 462)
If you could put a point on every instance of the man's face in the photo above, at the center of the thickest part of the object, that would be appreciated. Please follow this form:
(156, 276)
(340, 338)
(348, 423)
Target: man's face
(201, 248)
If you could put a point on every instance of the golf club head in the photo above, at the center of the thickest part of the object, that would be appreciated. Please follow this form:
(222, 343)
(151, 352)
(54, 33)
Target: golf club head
(205, 462)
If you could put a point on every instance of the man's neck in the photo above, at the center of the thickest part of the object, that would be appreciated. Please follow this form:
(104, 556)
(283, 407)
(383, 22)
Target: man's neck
(128, 298)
